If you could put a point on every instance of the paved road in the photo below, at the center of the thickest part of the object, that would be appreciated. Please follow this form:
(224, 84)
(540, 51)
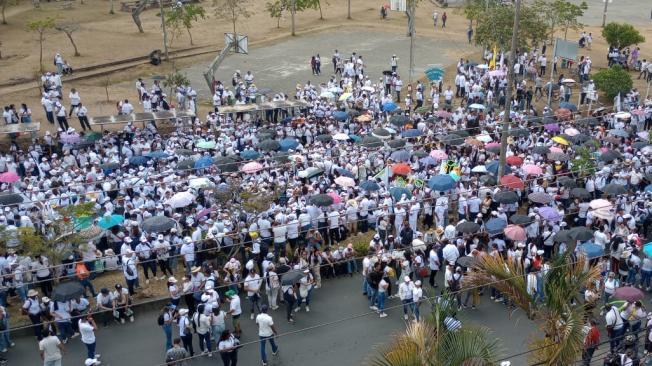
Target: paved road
(280, 66)
(630, 11)
(346, 343)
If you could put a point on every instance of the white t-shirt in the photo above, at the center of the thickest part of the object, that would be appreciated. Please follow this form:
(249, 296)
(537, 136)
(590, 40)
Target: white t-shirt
(50, 347)
(87, 333)
(234, 306)
(252, 284)
(265, 323)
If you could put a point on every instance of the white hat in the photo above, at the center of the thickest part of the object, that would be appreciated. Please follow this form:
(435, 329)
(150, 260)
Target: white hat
(183, 312)
(406, 279)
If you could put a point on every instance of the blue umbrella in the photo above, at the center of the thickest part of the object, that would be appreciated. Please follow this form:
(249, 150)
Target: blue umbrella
(345, 172)
(340, 116)
(369, 185)
(428, 160)
(492, 167)
(389, 107)
(398, 192)
(204, 162)
(108, 222)
(495, 225)
(249, 154)
(287, 144)
(569, 106)
(647, 249)
(287, 120)
(400, 155)
(591, 250)
(355, 138)
(411, 133)
(159, 154)
(138, 160)
(648, 188)
(442, 182)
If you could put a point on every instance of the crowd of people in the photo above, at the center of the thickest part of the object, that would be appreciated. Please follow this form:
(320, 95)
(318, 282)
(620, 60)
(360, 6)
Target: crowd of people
(421, 176)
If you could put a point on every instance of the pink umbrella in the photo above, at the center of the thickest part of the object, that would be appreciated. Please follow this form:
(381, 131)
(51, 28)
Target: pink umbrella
(492, 145)
(252, 167)
(555, 149)
(531, 169)
(497, 73)
(69, 138)
(345, 181)
(628, 293)
(336, 198)
(204, 212)
(9, 177)
(571, 132)
(438, 154)
(515, 232)
(443, 114)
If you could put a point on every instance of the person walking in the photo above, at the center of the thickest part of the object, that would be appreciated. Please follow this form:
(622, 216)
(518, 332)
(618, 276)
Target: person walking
(32, 308)
(185, 331)
(176, 355)
(266, 331)
(87, 328)
(252, 284)
(435, 17)
(290, 298)
(228, 347)
(591, 342)
(235, 310)
(165, 321)
(202, 324)
(51, 349)
(614, 325)
(306, 284)
(444, 17)
(405, 291)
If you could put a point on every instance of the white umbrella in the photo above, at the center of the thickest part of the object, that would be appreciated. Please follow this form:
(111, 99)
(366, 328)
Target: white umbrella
(603, 214)
(484, 138)
(327, 95)
(567, 81)
(369, 89)
(345, 181)
(476, 106)
(483, 66)
(340, 137)
(181, 199)
(198, 183)
(479, 169)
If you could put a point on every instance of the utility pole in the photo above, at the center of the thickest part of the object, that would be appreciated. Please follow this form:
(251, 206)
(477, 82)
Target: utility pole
(165, 32)
(508, 92)
(411, 29)
(349, 12)
(604, 13)
(294, 9)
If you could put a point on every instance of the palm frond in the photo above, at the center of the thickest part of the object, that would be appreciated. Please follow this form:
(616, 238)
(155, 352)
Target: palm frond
(416, 347)
(564, 337)
(468, 347)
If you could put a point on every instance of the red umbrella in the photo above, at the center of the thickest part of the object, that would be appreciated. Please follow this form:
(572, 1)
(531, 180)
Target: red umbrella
(628, 293)
(512, 182)
(515, 232)
(401, 169)
(514, 160)
(563, 114)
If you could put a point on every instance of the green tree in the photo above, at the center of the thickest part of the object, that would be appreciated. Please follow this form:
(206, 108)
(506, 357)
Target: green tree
(430, 343)
(175, 79)
(613, 80)
(184, 16)
(621, 35)
(561, 323)
(40, 27)
(276, 10)
(232, 10)
(495, 27)
(560, 13)
(3, 7)
(68, 29)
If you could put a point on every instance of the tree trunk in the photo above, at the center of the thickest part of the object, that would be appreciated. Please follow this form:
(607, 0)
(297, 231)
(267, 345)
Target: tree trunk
(348, 16)
(190, 35)
(278, 22)
(4, 6)
(321, 16)
(293, 10)
(73, 44)
(111, 10)
(135, 14)
(40, 56)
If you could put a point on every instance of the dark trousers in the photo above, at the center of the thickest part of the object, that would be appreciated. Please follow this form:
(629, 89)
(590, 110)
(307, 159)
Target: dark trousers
(289, 304)
(187, 343)
(587, 354)
(431, 280)
(149, 264)
(63, 122)
(38, 328)
(83, 121)
(165, 266)
(229, 358)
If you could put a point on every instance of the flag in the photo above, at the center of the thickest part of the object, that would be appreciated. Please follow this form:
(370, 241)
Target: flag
(617, 103)
(492, 63)
(383, 175)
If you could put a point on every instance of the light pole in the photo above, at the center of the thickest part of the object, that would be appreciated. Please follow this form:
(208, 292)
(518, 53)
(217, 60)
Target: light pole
(604, 13)
(165, 32)
(411, 29)
(293, 10)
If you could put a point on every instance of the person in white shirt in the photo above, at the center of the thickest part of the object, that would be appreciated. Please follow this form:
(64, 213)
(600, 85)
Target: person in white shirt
(614, 324)
(434, 264)
(450, 253)
(405, 293)
(87, 328)
(234, 310)
(188, 252)
(51, 349)
(266, 332)
(417, 295)
(185, 331)
(203, 327)
(252, 285)
(130, 270)
(126, 107)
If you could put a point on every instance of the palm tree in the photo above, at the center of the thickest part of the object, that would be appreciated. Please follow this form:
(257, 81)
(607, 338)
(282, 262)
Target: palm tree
(560, 322)
(430, 343)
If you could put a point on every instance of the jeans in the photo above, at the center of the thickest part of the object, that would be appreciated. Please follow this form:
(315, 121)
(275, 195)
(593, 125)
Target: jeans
(406, 304)
(52, 363)
(381, 301)
(90, 350)
(167, 329)
(22, 292)
(86, 283)
(230, 358)
(255, 303)
(615, 338)
(351, 266)
(130, 285)
(631, 276)
(263, 344)
(645, 278)
(205, 341)
(415, 310)
(365, 286)
(289, 304)
(38, 328)
(371, 294)
(304, 299)
(65, 330)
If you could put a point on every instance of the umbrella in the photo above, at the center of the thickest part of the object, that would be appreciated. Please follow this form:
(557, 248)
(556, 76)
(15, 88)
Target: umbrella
(398, 192)
(572, 132)
(186, 164)
(476, 106)
(401, 169)
(514, 160)
(515, 232)
(355, 138)
(345, 182)
(321, 200)
(411, 133)
(310, 172)
(591, 250)
(389, 106)
(452, 139)
(371, 142)
(531, 169)
(562, 236)
(269, 145)
(484, 138)
(370, 185)
(67, 291)
(399, 120)
(341, 137)
(93, 136)
(549, 213)
(467, 261)
(512, 182)
(252, 167)
(540, 197)
(138, 160)
(200, 183)
(345, 172)
(569, 106)
(580, 193)
(9, 177)
(467, 227)
(181, 199)
(428, 160)
(363, 118)
(519, 132)
(159, 154)
(647, 249)
(558, 156)
(108, 222)
(619, 133)
(479, 169)
(492, 167)
(614, 189)
(395, 144)
(381, 133)
(288, 144)
(519, 219)
(203, 144)
(340, 116)
(541, 150)
(640, 144)
(203, 162)
(439, 154)
(506, 197)
(567, 182)
(323, 138)
(610, 155)
(400, 155)
(327, 95)
(474, 142)
(563, 114)
(249, 154)
(560, 140)
(551, 127)
(69, 138)
(580, 233)
(628, 293)
(110, 166)
(489, 180)
(495, 225)
(158, 224)
(442, 182)
(292, 277)
(600, 204)
(443, 114)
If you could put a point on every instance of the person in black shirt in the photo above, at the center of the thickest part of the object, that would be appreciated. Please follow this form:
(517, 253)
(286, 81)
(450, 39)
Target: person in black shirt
(373, 279)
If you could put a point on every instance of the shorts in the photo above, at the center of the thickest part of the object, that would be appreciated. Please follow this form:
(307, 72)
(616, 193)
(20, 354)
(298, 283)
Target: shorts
(236, 321)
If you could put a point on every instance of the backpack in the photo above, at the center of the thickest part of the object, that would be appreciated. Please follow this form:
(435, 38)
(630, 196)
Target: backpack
(455, 282)
(160, 320)
(128, 269)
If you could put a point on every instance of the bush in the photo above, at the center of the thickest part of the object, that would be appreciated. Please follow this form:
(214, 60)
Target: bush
(361, 248)
(621, 35)
(613, 80)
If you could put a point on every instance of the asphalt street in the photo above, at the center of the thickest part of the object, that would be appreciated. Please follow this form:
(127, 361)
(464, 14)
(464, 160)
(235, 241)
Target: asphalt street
(338, 333)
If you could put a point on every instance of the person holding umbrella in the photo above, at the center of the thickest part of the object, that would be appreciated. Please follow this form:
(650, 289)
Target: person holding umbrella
(289, 290)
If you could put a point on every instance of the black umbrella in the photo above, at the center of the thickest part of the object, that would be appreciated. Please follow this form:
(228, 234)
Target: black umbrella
(110, 166)
(321, 200)
(519, 132)
(580, 233)
(562, 236)
(371, 142)
(452, 139)
(489, 180)
(462, 133)
(184, 152)
(10, 198)
(186, 164)
(567, 182)
(540, 197)
(580, 193)
(269, 145)
(420, 154)
(541, 150)
(506, 197)
(67, 291)
(519, 219)
(467, 261)
(399, 120)
(354, 112)
(610, 155)
(291, 277)
(324, 138)
(395, 144)
(581, 138)
(380, 133)
(468, 227)
(158, 224)
(558, 156)
(640, 144)
(226, 164)
(614, 189)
